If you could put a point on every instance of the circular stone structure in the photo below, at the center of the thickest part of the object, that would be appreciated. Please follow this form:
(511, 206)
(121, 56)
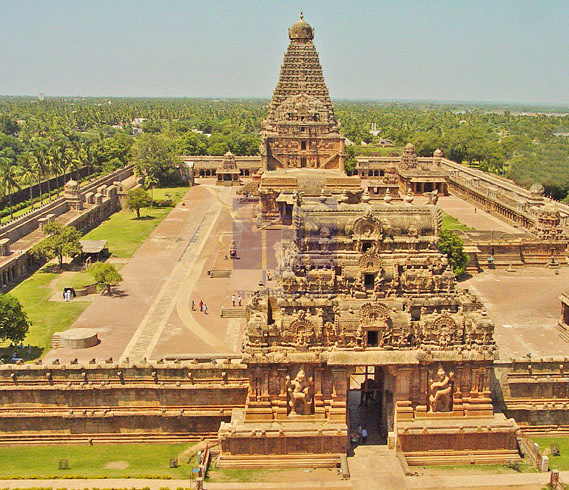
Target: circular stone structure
(78, 338)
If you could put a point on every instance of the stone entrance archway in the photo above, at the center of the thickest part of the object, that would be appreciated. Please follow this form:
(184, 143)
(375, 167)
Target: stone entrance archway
(370, 404)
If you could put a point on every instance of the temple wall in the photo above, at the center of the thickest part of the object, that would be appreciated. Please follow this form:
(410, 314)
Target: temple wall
(112, 187)
(118, 399)
(20, 227)
(535, 392)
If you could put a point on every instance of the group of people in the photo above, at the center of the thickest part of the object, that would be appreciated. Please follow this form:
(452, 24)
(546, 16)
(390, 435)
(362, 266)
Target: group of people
(203, 306)
(233, 300)
(360, 437)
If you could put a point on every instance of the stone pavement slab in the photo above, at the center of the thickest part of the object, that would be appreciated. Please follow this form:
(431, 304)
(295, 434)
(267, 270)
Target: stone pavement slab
(470, 215)
(525, 307)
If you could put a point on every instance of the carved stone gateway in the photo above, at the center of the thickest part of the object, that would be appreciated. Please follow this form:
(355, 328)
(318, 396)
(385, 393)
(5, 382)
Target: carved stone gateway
(361, 283)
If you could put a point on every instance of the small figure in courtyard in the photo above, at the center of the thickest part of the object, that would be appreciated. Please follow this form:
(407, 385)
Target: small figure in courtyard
(233, 249)
(201, 305)
(364, 434)
(205, 309)
(232, 300)
(193, 305)
(239, 300)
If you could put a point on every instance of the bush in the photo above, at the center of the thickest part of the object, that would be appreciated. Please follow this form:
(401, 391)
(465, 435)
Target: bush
(453, 246)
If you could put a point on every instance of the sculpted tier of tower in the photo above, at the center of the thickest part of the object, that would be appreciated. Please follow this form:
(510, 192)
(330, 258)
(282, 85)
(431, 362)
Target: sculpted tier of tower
(301, 130)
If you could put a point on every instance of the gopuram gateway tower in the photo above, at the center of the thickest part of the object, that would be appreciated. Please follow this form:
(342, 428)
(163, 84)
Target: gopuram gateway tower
(360, 285)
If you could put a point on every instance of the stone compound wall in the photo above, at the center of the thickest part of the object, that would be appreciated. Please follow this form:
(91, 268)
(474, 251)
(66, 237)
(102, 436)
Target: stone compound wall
(118, 401)
(102, 198)
(535, 392)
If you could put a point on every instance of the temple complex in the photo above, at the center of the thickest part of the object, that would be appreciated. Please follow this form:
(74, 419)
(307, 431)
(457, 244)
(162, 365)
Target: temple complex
(360, 282)
(324, 290)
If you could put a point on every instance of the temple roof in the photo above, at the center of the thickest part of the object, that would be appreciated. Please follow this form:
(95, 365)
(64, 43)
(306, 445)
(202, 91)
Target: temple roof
(301, 29)
(301, 72)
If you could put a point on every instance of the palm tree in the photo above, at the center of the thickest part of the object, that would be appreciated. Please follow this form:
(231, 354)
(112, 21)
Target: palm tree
(40, 150)
(28, 171)
(150, 181)
(8, 180)
(79, 157)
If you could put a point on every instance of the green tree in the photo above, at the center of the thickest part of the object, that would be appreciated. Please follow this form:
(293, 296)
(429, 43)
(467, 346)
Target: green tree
(150, 182)
(106, 275)
(63, 241)
(136, 199)
(153, 156)
(453, 246)
(14, 323)
(192, 143)
(351, 161)
(8, 178)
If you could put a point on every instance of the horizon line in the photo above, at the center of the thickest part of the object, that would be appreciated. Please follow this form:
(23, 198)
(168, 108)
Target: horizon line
(268, 98)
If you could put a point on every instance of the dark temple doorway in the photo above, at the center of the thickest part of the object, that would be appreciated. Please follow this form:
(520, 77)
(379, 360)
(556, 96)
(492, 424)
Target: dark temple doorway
(370, 405)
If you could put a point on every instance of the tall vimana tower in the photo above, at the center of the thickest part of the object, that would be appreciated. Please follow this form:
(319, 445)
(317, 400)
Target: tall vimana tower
(301, 130)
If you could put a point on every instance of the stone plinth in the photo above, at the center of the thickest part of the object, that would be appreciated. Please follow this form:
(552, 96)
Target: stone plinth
(297, 441)
(78, 338)
(445, 440)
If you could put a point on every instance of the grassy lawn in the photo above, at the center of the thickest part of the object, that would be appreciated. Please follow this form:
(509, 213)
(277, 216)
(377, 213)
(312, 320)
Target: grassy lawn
(451, 223)
(125, 234)
(560, 462)
(215, 475)
(105, 461)
(46, 316)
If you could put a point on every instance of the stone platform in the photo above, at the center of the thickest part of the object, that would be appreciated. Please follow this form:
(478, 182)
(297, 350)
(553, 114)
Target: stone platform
(300, 441)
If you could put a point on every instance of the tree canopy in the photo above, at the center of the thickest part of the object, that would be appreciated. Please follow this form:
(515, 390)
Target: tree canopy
(453, 246)
(106, 275)
(63, 241)
(14, 323)
(136, 199)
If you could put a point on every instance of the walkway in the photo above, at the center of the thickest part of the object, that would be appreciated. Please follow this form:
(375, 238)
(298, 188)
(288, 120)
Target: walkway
(379, 475)
(470, 215)
(173, 293)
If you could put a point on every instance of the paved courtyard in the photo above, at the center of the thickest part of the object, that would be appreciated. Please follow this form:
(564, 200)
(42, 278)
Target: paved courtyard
(525, 308)
(469, 215)
(152, 314)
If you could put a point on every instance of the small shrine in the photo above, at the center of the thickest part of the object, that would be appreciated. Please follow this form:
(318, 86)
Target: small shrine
(228, 173)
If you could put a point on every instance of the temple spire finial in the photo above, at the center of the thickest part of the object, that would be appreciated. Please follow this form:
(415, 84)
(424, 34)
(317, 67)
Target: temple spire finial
(301, 15)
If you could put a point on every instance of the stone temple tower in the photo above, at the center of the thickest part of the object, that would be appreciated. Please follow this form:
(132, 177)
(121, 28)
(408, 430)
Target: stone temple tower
(301, 130)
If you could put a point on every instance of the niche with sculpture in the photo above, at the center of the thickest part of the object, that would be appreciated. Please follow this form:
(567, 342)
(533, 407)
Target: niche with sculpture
(300, 394)
(441, 386)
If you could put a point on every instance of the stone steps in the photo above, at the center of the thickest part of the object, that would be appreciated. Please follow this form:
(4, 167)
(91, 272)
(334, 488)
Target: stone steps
(105, 438)
(55, 342)
(234, 312)
(461, 457)
(279, 461)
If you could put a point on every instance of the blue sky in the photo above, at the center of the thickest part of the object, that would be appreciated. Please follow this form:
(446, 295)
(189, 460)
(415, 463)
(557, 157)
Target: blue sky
(510, 51)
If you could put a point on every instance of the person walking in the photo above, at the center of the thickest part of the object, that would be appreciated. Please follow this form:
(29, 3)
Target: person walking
(233, 300)
(205, 309)
(193, 305)
(201, 305)
(239, 300)
(364, 434)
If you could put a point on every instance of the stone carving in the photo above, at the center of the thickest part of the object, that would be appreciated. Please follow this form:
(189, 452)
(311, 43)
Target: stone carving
(440, 387)
(299, 392)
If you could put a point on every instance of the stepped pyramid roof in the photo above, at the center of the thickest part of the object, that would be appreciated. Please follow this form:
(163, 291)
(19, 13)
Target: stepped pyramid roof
(301, 73)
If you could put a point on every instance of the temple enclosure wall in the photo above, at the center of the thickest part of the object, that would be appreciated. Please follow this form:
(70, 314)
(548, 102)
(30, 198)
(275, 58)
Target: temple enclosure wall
(535, 392)
(118, 402)
(98, 200)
